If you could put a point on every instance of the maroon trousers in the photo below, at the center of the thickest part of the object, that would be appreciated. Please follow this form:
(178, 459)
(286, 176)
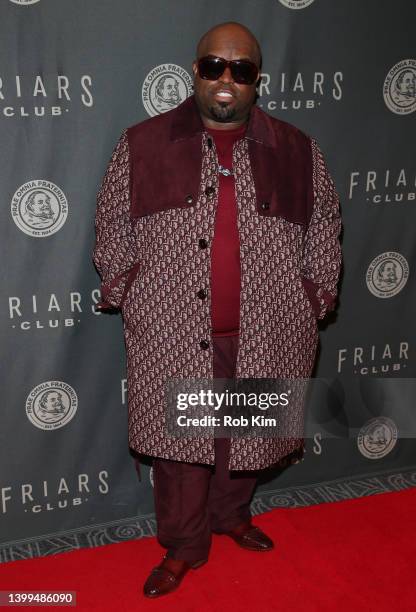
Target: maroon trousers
(192, 500)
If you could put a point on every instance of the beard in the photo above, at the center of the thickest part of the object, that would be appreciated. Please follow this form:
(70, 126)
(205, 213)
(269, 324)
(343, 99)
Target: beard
(222, 112)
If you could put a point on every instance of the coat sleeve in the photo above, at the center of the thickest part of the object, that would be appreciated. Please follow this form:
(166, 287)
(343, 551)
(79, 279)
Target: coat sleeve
(321, 262)
(116, 245)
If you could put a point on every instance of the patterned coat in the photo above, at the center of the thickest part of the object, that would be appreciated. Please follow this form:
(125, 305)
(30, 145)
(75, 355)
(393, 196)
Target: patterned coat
(154, 228)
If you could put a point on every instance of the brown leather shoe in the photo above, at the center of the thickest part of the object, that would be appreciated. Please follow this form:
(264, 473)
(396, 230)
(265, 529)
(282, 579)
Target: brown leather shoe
(167, 576)
(250, 537)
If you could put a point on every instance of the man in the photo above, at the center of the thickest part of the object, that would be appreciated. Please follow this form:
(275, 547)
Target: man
(167, 93)
(38, 209)
(51, 407)
(405, 87)
(217, 237)
(387, 275)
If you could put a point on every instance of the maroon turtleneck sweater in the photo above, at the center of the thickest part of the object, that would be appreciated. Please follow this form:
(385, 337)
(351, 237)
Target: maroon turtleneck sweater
(225, 251)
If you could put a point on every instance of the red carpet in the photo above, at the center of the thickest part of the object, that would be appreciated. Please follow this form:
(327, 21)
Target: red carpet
(350, 555)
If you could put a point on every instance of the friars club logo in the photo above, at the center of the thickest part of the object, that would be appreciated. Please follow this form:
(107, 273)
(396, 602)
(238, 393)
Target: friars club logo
(386, 186)
(399, 88)
(51, 405)
(39, 208)
(299, 90)
(164, 88)
(41, 96)
(296, 4)
(387, 274)
(377, 438)
(59, 493)
(43, 311)
(374, 360)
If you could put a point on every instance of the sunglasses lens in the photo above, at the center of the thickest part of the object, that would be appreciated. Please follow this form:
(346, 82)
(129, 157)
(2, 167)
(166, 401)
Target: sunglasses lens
(243, 72)
(211, 68)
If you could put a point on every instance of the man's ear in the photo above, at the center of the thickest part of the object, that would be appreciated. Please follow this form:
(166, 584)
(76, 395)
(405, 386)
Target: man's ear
(195, 67)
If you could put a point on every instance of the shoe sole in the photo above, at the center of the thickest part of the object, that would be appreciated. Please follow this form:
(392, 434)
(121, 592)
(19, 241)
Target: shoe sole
(198, 564)
(156, 595)
(251, 549)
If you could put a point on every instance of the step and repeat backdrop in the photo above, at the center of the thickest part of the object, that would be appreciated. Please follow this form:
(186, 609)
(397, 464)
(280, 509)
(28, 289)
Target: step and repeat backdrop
(73, 75)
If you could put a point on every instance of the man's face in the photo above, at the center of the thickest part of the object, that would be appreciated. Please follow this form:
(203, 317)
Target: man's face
(223, 103)
(53, 402)
(389, 273)
(40, 206)
(408, 84)
(170, 91)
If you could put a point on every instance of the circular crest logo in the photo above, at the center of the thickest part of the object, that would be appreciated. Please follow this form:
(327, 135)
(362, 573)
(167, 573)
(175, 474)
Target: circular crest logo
(51, 405)
(387, 274)
(39, 208)
(399, 88)
(24, 1)
(296, 4)
(377, 438)
(165, 87)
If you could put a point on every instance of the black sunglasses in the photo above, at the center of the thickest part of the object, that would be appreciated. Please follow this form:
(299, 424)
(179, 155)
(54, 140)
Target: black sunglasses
(243, 71)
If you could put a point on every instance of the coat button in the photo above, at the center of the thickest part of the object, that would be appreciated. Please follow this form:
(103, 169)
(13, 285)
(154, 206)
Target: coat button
(209, 143)
(265, 206)
(202, 294)
(204, 344)
(189, 199)
(209, 190)
(202, 243)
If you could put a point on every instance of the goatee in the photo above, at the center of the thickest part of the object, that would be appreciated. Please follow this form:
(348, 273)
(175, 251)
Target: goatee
(222, 113)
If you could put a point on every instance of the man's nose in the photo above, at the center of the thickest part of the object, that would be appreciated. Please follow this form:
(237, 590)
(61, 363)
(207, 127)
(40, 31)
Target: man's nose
(226, 76)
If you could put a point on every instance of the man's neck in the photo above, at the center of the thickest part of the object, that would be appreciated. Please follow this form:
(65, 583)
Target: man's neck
(231, 132)
(219, 125)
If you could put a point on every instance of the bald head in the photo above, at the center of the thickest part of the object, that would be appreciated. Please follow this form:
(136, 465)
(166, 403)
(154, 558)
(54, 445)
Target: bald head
(228, 36)
(223, 97)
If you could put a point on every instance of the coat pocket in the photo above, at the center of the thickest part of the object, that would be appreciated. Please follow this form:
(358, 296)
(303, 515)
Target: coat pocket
(311, 289)
(130, 280)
